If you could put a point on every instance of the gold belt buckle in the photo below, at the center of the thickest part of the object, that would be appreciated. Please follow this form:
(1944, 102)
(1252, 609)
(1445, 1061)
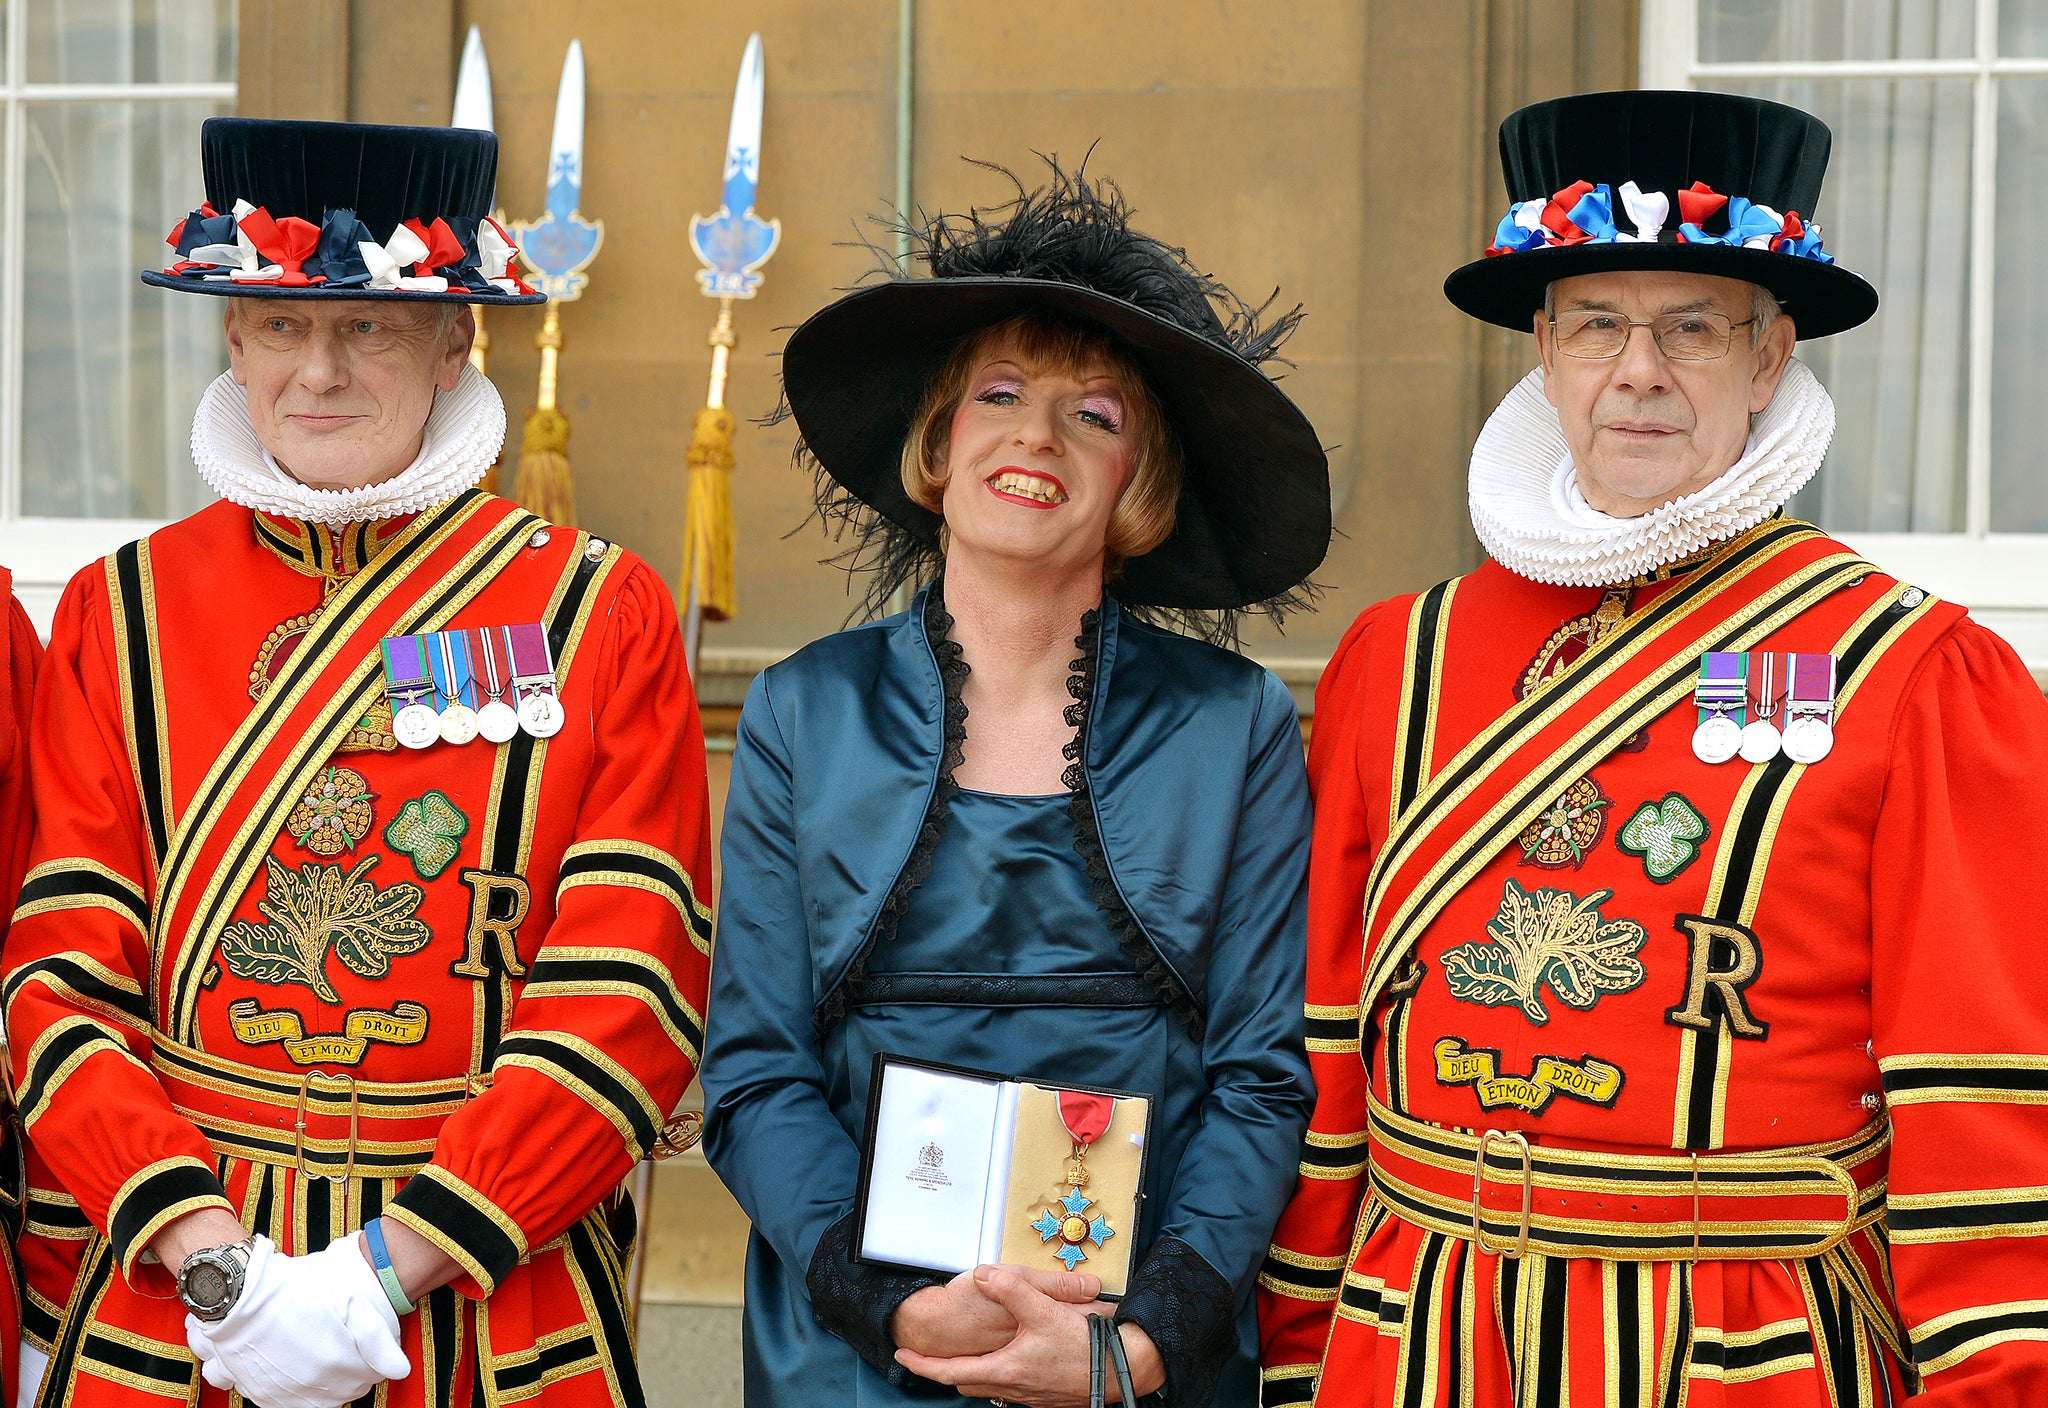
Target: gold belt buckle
(355, 1107)
(1519, 1144)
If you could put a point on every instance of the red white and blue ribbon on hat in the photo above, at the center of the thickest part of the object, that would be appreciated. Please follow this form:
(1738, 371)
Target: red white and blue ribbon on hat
(248, 246)
(1583, 213)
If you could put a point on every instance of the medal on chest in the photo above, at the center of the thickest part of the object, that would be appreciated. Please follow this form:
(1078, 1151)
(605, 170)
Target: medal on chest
(409, 685)
(1810, 709)
(495, 718)
(533, 680)
(450, 657)
(1066, 1225)
(1758, 704)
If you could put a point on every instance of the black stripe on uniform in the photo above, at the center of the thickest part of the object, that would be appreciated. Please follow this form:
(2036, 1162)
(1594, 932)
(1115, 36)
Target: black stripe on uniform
(470, 1228)
(633, 863)
(1429, 629)
(1989, 1077)
(83, 981)
(142, 703)
(62, 884)
(1278, 1393)
(1964, 1216)
(1956, 1336)
(601, 1081)
(1321, 1156)
(1304, 1277)
(608, 1300)
(61, 1049)
(578, 972)
(148, 1200)
(175, 1375)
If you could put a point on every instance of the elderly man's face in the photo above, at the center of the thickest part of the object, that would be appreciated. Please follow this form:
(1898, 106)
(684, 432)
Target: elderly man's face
(339, 391)
(1645, 428)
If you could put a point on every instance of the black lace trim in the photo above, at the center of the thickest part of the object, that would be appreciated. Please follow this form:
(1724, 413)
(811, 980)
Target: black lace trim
(938, 627)
(1190, 1312)
(856, 1301)
(1130, 938)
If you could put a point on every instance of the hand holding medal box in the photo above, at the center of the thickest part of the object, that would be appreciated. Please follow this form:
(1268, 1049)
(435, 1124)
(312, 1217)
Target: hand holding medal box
(457, 686)
(962, 1168)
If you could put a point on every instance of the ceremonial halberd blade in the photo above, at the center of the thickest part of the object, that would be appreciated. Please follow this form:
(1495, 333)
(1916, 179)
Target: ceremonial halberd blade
(733, 244)
(559, 246)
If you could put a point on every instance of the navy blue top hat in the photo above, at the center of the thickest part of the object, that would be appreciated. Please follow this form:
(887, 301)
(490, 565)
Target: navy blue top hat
(345, 210)
(1706, 183)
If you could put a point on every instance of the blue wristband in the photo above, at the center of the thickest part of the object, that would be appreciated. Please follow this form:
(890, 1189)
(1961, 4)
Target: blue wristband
(387, 1275)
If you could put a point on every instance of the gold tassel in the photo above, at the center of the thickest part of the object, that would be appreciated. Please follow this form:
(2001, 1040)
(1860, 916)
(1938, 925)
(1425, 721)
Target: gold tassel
(707, 521)
(543, 485)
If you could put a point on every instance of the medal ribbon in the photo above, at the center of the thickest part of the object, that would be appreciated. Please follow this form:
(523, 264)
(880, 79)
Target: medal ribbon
(1766, 689)
(450, 655)
(405, 683)
(533, 666)
(1085, 1114)
(486, 649)
(1812, 690)
(1722, 685)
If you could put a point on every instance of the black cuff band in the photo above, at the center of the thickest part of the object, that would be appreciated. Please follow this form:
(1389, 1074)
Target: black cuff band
(1190, 1313)
(856, 1301)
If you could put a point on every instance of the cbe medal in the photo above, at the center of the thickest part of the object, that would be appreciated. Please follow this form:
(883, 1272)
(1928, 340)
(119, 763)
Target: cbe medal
(1719, 692)
(533, 680)
(1067, 1223)
(408, 684)
(1810, 708)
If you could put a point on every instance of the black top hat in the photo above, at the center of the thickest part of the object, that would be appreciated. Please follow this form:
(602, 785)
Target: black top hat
(1737, 181)
(345, 210)
(1254, 514)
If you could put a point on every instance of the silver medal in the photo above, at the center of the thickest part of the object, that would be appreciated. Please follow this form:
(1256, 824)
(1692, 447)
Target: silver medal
(416, 726)
(1716, 740)
(1759, 741)
(458, 723)
(540, 714)
(1808, 739)
(497, 722)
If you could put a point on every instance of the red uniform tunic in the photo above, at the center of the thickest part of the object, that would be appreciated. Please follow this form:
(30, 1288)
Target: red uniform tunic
(18, 664)
(1676, 958)
(495, 956)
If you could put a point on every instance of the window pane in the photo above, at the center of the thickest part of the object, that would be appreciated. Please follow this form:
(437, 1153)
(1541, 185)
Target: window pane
(2019, 410)
(111, 368)
(2023, 28)
(1750, 31)
(1895, 208)
(130, 41)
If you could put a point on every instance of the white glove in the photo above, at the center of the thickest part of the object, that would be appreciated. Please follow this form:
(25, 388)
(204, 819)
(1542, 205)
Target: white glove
(34, 1363)
(308, 1331)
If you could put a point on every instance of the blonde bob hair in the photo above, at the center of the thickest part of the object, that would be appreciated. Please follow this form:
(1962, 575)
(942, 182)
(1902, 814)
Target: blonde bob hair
(1144, 513)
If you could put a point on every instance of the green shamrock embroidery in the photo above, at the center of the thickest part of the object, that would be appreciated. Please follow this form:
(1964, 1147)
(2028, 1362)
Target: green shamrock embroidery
(1666, 836)
(428, 831)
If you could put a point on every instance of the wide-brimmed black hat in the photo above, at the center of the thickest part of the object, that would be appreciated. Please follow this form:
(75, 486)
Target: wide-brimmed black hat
(1254, 514)
(1737, 180)
(345, 210)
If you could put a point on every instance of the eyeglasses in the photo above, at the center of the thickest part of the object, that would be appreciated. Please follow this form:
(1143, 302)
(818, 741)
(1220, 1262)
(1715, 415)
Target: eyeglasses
(1683, 337)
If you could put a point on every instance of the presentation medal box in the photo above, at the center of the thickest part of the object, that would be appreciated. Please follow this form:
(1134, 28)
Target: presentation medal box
(962, 1168)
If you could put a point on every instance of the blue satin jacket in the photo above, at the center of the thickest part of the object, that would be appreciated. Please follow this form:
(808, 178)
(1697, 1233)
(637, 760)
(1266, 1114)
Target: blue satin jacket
(1194, 765)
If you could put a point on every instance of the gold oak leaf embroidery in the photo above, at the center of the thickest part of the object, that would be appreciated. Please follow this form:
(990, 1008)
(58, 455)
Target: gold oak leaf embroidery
(1547, 938)
(317, 909)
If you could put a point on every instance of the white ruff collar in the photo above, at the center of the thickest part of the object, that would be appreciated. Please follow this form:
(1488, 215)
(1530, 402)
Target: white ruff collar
(1532, 521)
(465, 431)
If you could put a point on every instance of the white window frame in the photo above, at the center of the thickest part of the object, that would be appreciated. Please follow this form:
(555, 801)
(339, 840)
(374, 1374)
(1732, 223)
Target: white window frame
(2001, 577)
(44, 553)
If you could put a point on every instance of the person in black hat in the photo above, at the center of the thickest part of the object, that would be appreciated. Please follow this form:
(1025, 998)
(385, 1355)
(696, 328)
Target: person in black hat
(1666, 867)
(361, 958)
(1019, 829)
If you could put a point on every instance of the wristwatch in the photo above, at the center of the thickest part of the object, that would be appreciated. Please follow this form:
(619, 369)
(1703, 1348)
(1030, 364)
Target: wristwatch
(210, 1281)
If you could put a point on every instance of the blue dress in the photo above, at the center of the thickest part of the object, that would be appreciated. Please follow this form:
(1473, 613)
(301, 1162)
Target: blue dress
(1145, 932)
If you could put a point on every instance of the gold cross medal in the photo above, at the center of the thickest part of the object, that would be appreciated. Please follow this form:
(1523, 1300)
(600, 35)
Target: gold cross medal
(1066, 1224)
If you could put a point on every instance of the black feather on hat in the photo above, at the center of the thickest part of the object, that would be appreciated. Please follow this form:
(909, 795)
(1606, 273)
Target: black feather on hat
(1253, 519)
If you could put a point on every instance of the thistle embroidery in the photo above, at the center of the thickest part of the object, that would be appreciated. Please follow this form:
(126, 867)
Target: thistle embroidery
(1547, 938)
(1664, 835)
(316, 909)
(428, 831)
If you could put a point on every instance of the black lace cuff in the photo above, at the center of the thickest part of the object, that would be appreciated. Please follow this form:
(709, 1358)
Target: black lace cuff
(1191, 1314)
(855, 1301)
